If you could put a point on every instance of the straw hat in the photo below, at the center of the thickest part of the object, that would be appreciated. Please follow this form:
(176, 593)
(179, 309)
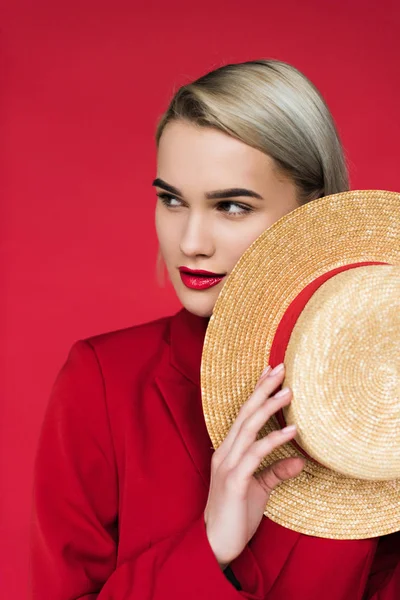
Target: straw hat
(320, 291)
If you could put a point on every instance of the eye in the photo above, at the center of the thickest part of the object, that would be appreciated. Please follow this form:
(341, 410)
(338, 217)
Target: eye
(234, 208)
(169, 200)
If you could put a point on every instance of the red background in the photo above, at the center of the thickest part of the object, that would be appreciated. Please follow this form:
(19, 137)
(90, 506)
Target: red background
(83, 84)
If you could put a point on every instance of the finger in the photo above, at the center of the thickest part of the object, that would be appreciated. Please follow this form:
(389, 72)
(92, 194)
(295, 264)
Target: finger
(266, 372)
(279, 471)
(259, 450)
(267, 383)
(251, 426)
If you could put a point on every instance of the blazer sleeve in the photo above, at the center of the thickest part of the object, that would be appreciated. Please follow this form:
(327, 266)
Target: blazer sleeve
(74, 533)
(384, 579)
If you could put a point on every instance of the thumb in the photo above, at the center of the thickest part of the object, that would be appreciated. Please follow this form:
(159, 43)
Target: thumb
(279, 471)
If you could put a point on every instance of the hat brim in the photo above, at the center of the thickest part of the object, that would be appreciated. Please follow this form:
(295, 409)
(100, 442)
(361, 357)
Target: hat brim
(346, 228)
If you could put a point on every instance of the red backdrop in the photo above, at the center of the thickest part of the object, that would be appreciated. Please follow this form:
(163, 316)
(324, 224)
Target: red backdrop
(83, 86)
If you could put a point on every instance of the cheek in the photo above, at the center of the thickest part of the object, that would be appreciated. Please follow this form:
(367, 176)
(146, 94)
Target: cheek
(237, 241)
(166, 235)
(161, 228)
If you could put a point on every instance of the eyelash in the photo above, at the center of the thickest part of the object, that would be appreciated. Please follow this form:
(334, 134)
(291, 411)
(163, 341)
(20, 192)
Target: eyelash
(166, 198)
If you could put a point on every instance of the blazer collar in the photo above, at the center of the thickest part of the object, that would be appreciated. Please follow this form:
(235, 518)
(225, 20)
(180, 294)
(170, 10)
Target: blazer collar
(187, 332)
(178, 380)
(183, 398)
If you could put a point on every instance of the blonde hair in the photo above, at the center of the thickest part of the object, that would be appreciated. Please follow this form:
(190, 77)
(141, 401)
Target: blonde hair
(271, 106)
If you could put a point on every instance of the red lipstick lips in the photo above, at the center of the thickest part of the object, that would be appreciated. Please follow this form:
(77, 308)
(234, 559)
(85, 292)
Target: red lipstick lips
(199, 280)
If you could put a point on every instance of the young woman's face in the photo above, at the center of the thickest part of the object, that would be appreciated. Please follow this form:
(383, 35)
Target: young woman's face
(216, 195)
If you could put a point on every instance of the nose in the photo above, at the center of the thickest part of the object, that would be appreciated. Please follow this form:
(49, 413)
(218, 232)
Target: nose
(197, 238)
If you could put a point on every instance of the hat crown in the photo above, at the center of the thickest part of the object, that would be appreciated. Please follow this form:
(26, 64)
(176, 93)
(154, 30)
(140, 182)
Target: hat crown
(342, 363)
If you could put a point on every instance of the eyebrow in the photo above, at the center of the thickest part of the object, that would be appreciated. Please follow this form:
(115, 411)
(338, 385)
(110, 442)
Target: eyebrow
(216, 195)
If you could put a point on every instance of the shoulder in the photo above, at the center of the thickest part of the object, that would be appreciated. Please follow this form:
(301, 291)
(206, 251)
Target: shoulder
(115, 357)
(129, 346)
(124, 353)
(145, 334)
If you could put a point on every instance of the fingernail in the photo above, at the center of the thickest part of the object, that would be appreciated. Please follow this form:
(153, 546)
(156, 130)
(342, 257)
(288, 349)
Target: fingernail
(266, 370)
(277, 370)
(289, 429)
(283, 392)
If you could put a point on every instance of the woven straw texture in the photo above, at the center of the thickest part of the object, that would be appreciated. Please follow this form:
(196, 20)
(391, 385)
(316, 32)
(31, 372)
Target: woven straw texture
(342, 229)
(343, 365)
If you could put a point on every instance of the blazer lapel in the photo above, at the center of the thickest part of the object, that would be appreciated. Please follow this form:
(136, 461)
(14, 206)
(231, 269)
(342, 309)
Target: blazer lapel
(178, 380)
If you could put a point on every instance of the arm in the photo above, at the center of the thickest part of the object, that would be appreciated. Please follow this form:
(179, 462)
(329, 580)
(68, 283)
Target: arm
(75, 508)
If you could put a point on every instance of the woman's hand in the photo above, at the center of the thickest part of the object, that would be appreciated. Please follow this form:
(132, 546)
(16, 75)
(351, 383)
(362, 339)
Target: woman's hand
(237, 499)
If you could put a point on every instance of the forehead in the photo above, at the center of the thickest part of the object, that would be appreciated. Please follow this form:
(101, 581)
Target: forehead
(194, 156)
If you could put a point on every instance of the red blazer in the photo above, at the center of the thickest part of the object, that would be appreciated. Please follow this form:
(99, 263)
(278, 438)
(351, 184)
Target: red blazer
(121, 481)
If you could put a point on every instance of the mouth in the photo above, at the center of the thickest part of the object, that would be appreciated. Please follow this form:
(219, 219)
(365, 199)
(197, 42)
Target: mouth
(199, 279)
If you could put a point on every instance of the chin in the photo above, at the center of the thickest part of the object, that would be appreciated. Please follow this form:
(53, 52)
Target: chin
(199, 312)
(200, 304)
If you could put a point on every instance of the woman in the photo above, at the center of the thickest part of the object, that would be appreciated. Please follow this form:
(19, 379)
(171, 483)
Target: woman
(130, 500)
